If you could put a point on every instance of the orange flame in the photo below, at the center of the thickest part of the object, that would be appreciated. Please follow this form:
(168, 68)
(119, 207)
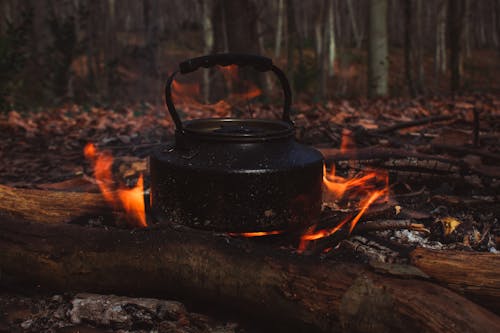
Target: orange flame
(255, 233)
(190, 93)
(185, 93)
(130, 200)
(367, 188)
(231, 75)
(230, 72)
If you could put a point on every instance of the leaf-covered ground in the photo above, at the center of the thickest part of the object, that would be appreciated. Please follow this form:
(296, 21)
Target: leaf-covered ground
(435, 168)
(46, 146)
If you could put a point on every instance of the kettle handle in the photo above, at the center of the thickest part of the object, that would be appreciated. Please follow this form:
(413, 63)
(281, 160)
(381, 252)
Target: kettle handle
(259, 63)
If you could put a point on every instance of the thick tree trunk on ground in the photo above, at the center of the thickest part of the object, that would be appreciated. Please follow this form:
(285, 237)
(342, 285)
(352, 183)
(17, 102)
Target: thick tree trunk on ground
(247, 277)
(378, 61)
(474, 274)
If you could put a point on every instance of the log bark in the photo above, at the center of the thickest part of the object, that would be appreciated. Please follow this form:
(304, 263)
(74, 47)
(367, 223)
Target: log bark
(272, 285)
(473, 274)
(49, 206)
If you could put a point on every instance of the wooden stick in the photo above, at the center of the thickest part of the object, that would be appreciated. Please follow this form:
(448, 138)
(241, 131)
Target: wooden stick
(413, 123)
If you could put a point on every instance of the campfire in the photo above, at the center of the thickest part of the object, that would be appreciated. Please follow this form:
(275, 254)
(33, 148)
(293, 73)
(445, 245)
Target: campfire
(242, 216)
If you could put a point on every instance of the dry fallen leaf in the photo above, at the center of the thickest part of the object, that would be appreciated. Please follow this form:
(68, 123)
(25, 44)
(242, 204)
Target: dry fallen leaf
(449, 224)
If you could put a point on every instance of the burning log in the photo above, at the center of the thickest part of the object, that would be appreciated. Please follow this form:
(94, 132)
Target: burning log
(241, 275)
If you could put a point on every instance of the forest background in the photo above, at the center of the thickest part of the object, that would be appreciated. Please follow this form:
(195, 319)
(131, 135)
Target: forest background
(114, 52)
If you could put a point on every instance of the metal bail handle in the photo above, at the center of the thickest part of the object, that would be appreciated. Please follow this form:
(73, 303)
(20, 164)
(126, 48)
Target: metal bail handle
(259, 63)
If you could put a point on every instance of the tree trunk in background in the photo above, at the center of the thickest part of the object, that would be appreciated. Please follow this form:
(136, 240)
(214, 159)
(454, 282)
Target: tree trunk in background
(235, 30)
(208, 37)
(467, 29)
(291, 39)
(6, 16)
(357, 36)
(39, 45)
(322, 47)
(440, 55)
(279, 28)
(294, 42)
(495, 7)
(238, 21)
(318, 35)
(418, 51)
(414, 46)
(497, 22)
(331, 40)
(408, 48)
(150, 62)
(455, 26)
(109, 48)
(378, 63)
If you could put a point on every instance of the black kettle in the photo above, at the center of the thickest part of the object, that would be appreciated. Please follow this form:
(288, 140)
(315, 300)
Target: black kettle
(236, 175)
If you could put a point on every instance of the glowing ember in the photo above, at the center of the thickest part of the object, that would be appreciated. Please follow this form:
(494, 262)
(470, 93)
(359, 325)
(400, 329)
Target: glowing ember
(130, 200)
(256, 233)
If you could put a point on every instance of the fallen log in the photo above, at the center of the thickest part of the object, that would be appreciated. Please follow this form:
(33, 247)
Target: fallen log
(272, 285)
(474, 274)
(49, 206)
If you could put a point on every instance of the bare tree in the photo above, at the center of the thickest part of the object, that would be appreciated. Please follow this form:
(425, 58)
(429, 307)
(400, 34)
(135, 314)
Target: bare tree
(456, 10)
(208, 37)
(408, 48)
(321, 30)
(331, 40)
(440, 55)
(279, 28)
(378, 64)
(357, 36)
(497, 23)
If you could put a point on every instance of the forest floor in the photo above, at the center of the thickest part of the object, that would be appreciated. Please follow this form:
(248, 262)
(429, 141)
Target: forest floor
(442, 155)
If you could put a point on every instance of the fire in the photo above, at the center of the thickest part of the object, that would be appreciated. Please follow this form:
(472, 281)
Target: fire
(130, 200)
(231, 75)
(190, 93)
(367, 187)
(256, 233)
(185, 93)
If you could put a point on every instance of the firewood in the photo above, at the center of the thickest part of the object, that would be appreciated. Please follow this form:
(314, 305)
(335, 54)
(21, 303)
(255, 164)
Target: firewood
(49, 206)
(247, 277)
(474, 274)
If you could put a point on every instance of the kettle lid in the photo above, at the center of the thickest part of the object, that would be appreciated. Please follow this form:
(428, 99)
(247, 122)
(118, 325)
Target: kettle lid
(237, 130)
